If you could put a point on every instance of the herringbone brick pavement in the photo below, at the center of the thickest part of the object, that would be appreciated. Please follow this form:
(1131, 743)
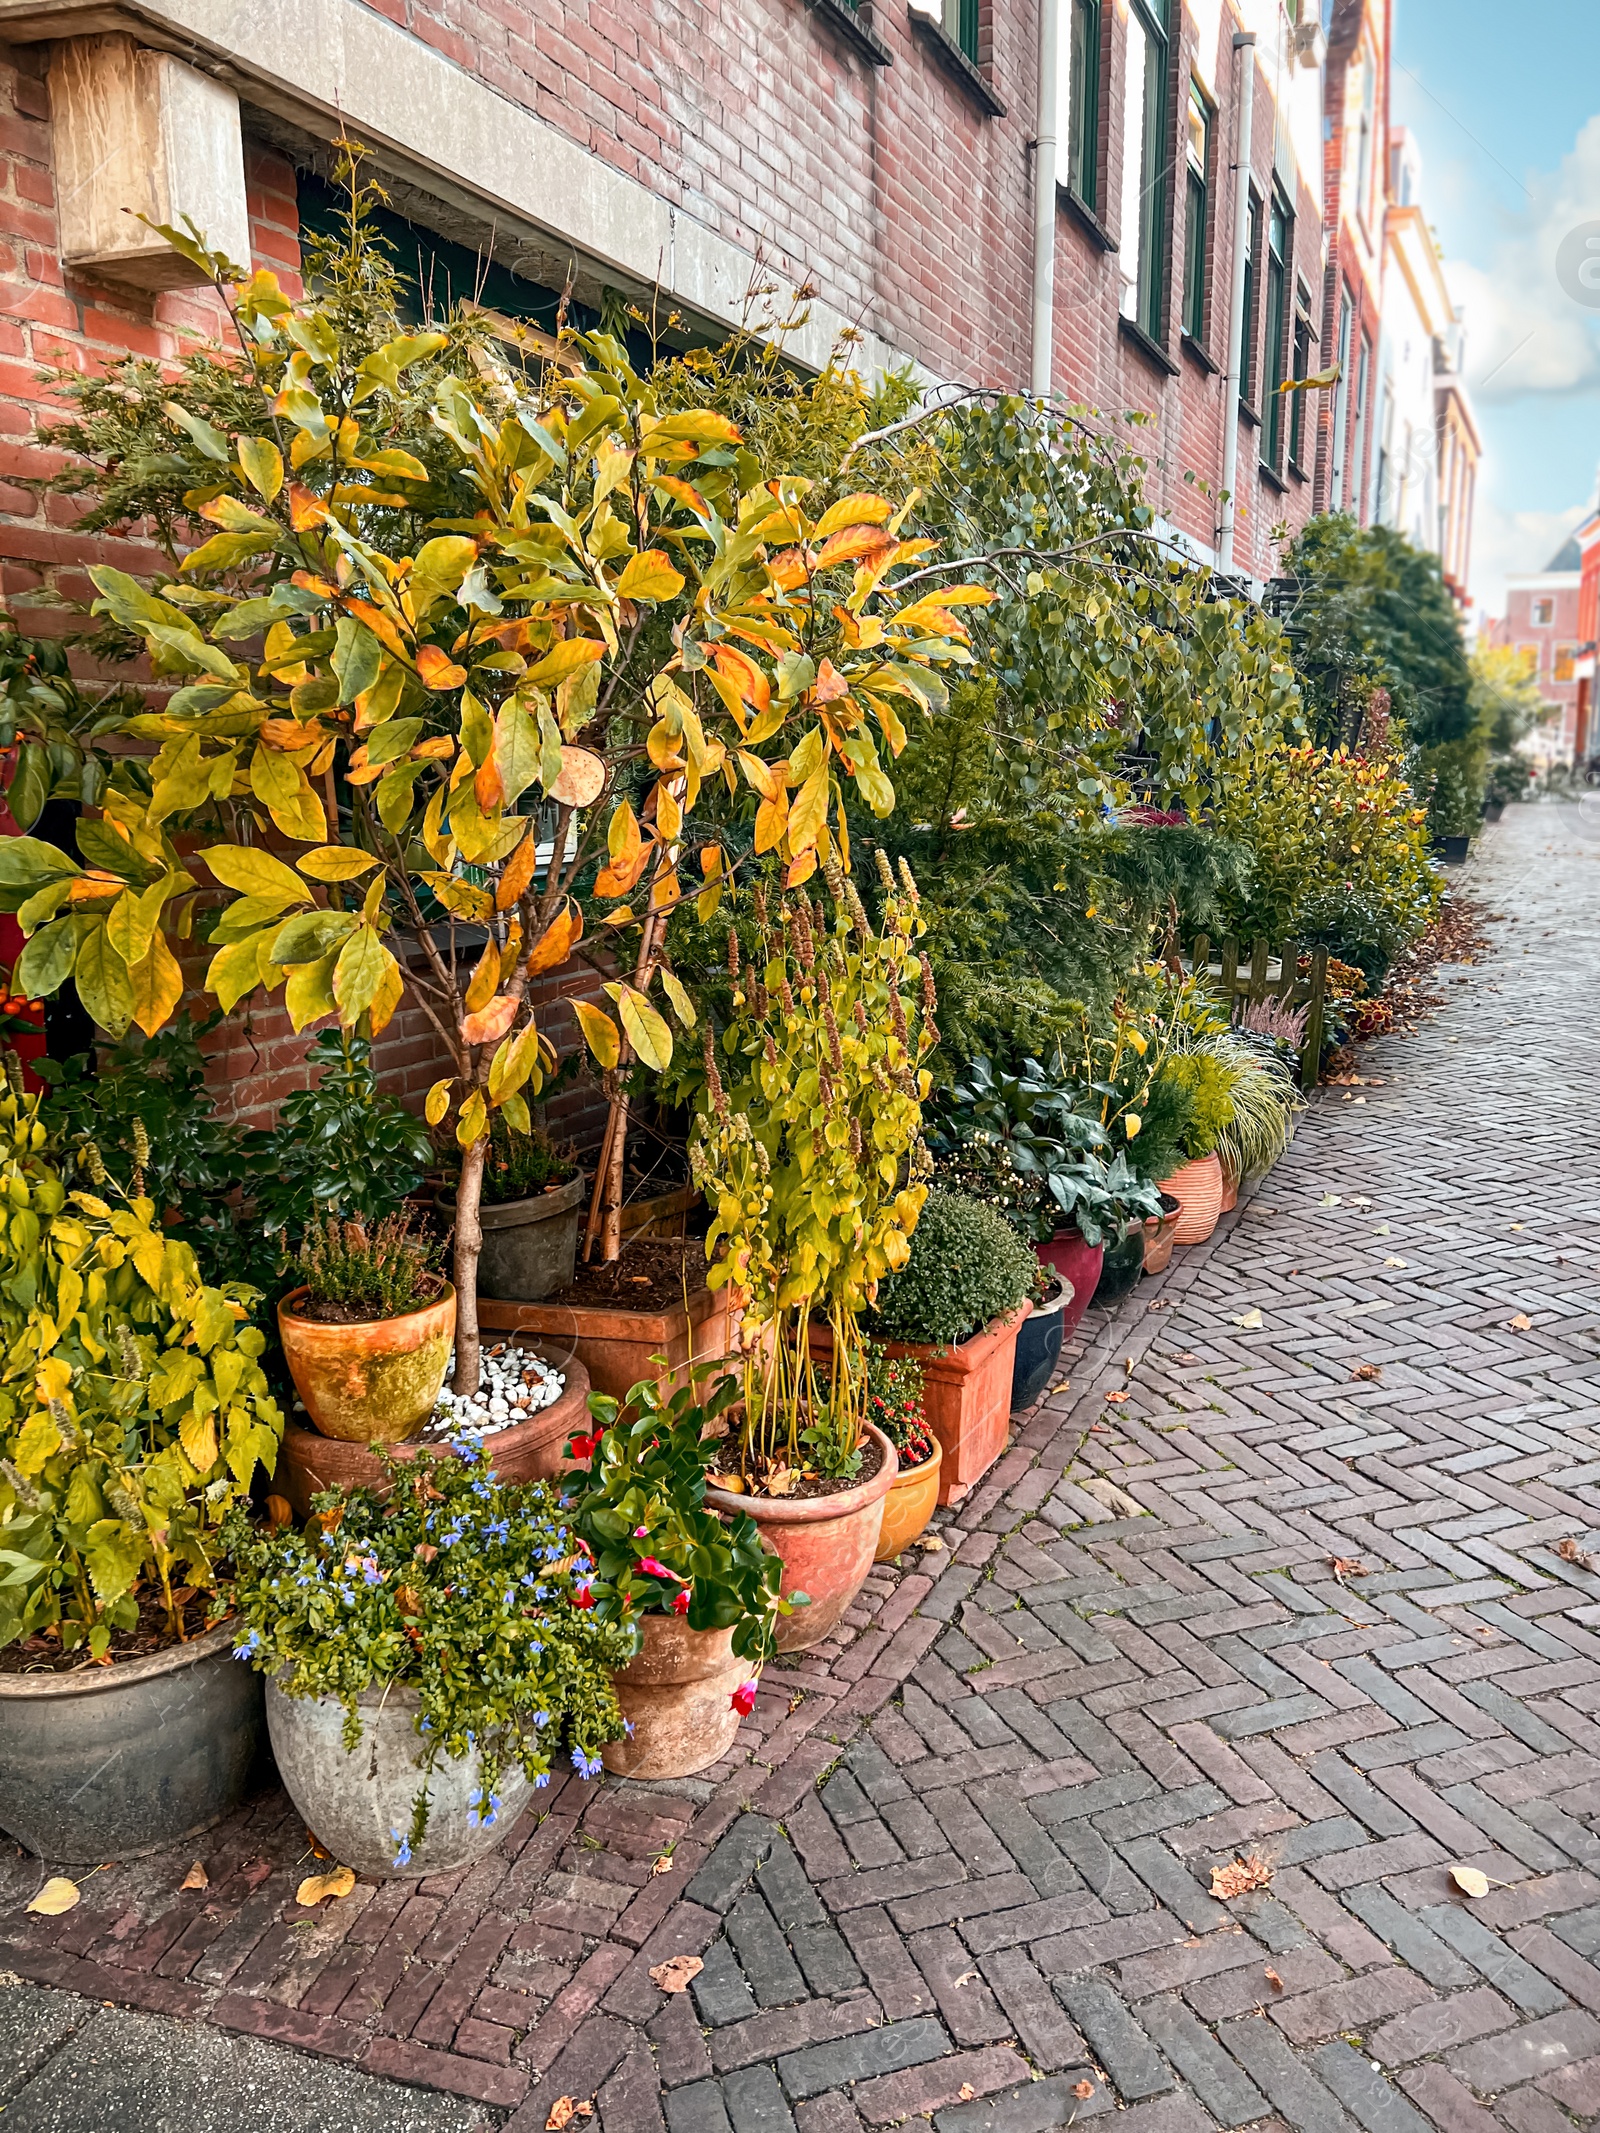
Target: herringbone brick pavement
(1294, 1569)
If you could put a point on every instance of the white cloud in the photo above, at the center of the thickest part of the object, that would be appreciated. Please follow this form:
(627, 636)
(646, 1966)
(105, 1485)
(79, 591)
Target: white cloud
(1508, 543)
(1525, 333)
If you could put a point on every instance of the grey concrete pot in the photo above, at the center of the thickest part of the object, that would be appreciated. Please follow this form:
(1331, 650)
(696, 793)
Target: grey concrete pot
(108, 1762)
(354, 1803)
(530, 1247)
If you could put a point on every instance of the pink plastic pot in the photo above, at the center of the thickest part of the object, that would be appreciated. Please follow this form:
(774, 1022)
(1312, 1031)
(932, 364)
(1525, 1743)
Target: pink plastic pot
(1081, 1263)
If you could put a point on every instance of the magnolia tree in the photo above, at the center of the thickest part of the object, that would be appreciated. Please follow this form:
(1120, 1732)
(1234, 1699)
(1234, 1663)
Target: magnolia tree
(461, 645)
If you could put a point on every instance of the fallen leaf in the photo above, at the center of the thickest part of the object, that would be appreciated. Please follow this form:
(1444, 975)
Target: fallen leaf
(967, 1977)
(1250, 1321)
(1367, 1370)
(1273, 1979)
(196, 1878)
(564, 2110)
(1116, 1399)
(1240, 1875)
(1332, 1199)
(931, 1544)
(1522, 1323)
(1347, 1566)
(1114, 1499)
(662, 1864)
(1469, 1881)
(780, 1480)
(1083, 2090)
(1392, 1261)
(678, 1973)
(1360, 1199)
(58, 1895)
(966, 2092)
(1127, 1366)
(1570, 1552)
(316, 1886)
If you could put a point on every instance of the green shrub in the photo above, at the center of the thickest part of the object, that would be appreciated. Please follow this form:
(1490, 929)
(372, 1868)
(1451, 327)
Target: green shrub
(967, 1265)
(381, 1272)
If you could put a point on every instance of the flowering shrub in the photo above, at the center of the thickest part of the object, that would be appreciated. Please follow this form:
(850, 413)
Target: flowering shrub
(1341, 853)
(894, 1403)
(473, 1592)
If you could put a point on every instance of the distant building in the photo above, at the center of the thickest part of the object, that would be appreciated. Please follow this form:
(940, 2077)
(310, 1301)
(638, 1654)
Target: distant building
(1586, 739)
(1542, 621)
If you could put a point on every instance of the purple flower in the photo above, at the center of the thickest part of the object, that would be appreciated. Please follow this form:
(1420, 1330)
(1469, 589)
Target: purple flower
(587, 1766)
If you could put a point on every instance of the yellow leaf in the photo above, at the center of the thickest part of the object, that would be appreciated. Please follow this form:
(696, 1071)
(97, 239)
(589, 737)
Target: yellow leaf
(254, 872)
(669, 815)
(198, 1436)
(157, 985)
(599, 1033)
(557, 941)
(564, 659)
(649, 577)
(316, 1887)
(470, 1125)
(438, 1102)
(196, 1878)
(485, 979)
(647, 1032)
(518, 870)
(682, 1005)
(851, 511)
(582, 779)
(58, 1895)
(1469, 1881)
(335, 862)
(490, 1023)
(263, 468)
(809, 811)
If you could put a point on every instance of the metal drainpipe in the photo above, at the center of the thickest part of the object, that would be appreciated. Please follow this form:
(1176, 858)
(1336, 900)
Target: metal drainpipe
(1244, 44)
(1044, 201)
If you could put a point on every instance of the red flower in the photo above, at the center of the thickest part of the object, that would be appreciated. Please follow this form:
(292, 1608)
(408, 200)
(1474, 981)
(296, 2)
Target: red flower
(743, 1698)
(653, 1568)
(680, 1601)
(583, 1595)
(583, 1447)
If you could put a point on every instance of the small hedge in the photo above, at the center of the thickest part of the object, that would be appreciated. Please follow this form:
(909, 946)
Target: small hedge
(967, 1265)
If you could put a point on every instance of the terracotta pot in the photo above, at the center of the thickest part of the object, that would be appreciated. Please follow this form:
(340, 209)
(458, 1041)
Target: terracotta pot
(376, 1382)
(1081, 1263)
(616, 1347)
(677, 1695)
(527, 1451)
(913, 1496)
(966, 1397)
(1160, 1232)
(827, 1544)
(1230, 1185)
(1197, 1188)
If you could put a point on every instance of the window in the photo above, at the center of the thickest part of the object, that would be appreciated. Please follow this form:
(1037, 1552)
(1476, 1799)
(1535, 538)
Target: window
(1194, 227)
(1080, 105)
(1364, 134)
(1247, 352)
(1566, 657)
(1341, 403)
(1144, 169)
(1544, 613)
(959, 19)
(1358, 469)
(1278, 241)
(1304, 335)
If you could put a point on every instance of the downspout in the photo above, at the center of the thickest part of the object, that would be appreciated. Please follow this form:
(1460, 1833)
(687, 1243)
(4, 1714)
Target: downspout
(1044, 201)
(1244, 44)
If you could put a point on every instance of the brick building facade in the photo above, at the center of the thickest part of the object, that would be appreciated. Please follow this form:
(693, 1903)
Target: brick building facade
(1544, 622)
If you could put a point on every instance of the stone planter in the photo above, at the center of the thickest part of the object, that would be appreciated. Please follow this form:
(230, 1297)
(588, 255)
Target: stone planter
(827, 1544)
(109, 1762)
(355, 1802)
(1197, 1188)
(1121, 1267)
(375, 1382)
(677, 1694)
(1039, 1339)
(913, 1497)
(530, 1247)
(1080, 1262)
(527, 1451)
(966, 1396)
(615, 1346)
(1160, 1234)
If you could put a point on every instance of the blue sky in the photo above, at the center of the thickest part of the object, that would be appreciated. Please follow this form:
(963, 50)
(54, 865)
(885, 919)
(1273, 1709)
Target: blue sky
(1505, 103)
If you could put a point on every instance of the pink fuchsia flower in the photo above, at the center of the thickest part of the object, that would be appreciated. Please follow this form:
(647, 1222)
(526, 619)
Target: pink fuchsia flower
(743, 1698)
(639, 1532)
(680, 1601)
(654, 1568)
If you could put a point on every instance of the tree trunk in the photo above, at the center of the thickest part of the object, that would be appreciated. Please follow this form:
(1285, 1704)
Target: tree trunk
(468, 1247)
(611, 1232)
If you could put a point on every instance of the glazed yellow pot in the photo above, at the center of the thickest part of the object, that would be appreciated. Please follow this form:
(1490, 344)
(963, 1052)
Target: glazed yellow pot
(373, 1382)
(909, 1505)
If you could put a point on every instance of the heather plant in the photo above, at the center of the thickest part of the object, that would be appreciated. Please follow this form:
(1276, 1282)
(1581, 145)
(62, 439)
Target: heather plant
(378, 1271)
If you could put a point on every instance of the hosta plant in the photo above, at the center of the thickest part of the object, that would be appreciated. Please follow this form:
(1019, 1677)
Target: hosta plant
(459, 644)
(133, 1409)
(473, 1592)
(806, 1146)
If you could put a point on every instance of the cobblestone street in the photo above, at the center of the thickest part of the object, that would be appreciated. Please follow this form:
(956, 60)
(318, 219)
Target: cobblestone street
(1293, 1569)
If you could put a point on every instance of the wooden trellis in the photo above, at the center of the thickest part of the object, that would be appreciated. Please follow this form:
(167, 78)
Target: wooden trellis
(1271, 973)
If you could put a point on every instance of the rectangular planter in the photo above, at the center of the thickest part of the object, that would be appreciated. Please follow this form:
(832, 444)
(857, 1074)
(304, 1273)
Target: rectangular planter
(616, 1346)
(966, 1397)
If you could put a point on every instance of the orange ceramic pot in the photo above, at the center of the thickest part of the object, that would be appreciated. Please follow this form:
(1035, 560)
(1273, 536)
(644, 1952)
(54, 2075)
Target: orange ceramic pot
(677, 1694)
(827, 1544)
(1197, 1188)
(375, 1382)
(966, 1396)
(528, 1451)
(619, 1347)
(913, 1495)
(1158, 1236)
(1230, 1185)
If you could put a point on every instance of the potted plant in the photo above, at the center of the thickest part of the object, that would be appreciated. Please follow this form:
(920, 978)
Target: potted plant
(427, 1654)
(957, 1306)
(702, 1590)
(367, 1331)
(133, 1412)
(1039, 1337)
(809, 1156)
(894, 1402)
(532, 1194)
(1160, 1234)
(1190, 1103)
(1264, 1105)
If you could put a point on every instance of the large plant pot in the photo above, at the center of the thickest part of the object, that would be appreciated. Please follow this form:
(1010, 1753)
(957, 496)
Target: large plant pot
(1493, 810)
(827, 1544)
(913, 1497)
(1197, 1188)
(617, 1347)
(1080, 1262)
(1121, 1267)
(527, 1451)
(1160, 1234)
(966, 1397)
(530, 1247)
(372, 1383)
(677, 1695)
(354, 1801)
(1039, 1339)
(1230, 1184)
(109, 1762)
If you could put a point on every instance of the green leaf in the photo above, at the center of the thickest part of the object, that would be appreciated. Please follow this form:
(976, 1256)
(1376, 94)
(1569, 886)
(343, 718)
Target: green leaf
(388, 742)
(28, 864)
(102, 979)
(46, 963)
(211, 441)
(114, 1556)
(224, 550)
(30, 784)
(310, 936)
(393, 795)
(440, 566)
(357, 656)
(518, 749)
